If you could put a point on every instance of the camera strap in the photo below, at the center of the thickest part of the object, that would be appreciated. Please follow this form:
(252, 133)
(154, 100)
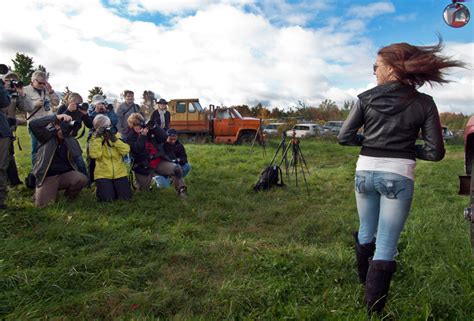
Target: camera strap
(18, 143)
(34, 112)
(82, 132)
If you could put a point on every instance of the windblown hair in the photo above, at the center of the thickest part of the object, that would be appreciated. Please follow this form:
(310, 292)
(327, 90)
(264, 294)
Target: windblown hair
(70, 97)
(38, 74)
(101, 121)
(417, 65)
(128, 92)
(135, 119)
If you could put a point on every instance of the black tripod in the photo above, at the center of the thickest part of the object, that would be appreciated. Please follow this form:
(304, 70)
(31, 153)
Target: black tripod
(297, 161)
(282, 147)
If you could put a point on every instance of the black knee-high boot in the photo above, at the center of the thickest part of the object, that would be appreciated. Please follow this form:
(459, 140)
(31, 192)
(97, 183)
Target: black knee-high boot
(363, 253)
(377, 284)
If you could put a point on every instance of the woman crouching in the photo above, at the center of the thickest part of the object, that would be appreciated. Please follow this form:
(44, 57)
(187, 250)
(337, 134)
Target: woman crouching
(110, 171)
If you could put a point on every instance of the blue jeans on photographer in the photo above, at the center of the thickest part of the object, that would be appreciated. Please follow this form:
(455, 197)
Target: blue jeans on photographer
(383, 203)
(165, 182)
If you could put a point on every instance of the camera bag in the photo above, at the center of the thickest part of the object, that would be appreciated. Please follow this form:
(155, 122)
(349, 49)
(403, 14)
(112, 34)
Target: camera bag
(269, 177)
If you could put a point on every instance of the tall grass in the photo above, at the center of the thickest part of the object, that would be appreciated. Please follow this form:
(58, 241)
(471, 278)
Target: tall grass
(228, 253)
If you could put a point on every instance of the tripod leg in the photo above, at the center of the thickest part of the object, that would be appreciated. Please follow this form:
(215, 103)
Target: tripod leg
(302, 171)
(304, 160)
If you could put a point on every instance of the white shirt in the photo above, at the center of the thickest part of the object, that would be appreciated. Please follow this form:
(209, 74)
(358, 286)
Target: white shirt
(400, 166)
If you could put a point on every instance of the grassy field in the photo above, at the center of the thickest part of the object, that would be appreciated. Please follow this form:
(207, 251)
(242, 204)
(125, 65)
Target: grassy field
(228, 253)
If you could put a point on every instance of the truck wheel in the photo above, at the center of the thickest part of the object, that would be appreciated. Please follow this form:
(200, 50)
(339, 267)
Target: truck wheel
(245, 139)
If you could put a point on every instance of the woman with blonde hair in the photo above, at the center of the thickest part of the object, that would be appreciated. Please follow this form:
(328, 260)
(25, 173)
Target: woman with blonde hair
(392, 115)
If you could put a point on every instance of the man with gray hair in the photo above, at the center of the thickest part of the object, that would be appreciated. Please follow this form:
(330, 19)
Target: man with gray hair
(43, 97)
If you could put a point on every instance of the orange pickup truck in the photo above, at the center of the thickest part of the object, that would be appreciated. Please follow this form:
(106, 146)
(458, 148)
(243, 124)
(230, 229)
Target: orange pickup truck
(222, 124)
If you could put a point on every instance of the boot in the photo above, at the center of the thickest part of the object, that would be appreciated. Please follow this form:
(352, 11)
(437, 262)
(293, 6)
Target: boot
(377, 284)
(363, 253)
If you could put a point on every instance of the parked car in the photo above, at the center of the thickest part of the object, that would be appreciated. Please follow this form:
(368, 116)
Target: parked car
(447, 134)
(333, 127)
(272, 128)
(305, 130)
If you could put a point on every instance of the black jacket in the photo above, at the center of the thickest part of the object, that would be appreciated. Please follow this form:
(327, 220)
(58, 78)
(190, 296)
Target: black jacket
(392, 115)
(156, 120)
(138, 150)
(176, 152)
(4, 103)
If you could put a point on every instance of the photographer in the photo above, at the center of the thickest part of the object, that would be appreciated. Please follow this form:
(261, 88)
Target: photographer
(44, 98)
(78, 112)
(54, 169)
(99, 106)
(175, 153)
(110, 171)
(149, 157)
(5, 136)
(19, 101)
(125, 110)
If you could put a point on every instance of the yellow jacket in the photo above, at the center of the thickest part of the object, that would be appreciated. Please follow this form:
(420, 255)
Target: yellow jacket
(108, 159)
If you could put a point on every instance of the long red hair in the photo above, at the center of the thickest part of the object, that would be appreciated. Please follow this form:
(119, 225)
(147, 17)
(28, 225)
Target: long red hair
(417, 65)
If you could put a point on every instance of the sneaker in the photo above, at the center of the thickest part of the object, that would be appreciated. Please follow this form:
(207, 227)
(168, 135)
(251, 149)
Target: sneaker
(182, 192)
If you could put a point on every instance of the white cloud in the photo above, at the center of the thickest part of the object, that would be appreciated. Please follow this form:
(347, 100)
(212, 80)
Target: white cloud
(220, 54)
(371, 10)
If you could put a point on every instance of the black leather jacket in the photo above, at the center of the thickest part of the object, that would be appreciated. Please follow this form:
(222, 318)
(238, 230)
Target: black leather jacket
(392, 115)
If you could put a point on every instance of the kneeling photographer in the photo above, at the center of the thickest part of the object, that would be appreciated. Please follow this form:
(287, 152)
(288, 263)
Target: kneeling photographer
(19, 102)
(78, 112)
(110, 171)
(99, 106)
(149, 157)
(54, 169)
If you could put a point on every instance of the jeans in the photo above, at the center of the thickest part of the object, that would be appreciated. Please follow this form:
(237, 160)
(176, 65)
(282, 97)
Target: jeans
(34, 146)
(165, 182)
(383, 202)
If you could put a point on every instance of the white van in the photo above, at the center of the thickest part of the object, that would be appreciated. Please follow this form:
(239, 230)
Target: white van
(305, 130)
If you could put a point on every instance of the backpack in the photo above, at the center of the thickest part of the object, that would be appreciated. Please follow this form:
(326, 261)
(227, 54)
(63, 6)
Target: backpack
(270, 176)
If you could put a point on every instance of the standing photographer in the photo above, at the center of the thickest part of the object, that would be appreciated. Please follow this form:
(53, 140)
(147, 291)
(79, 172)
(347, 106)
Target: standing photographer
(161, 117)
(54, 169)
(78, 112)
(44, 98)
(21, 102)
(5, 137)
(125, 110)
(99, 106)
(149, 157)
(110, 171)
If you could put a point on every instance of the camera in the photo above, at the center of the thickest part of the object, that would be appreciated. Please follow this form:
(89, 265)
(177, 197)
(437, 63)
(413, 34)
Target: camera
(83, 106)
(149, 124)
(46, 105)
(11, 85)
(70, 127)
(102, 131)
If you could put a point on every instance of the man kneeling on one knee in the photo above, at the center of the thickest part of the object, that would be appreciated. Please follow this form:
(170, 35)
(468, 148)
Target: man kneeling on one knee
(149, 157)
(54, 168)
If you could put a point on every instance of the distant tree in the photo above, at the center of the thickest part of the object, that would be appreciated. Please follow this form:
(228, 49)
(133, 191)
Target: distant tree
(43, 69)
(454, 121)
(329, 110)
(263, 113)
(244, 110)
(346, 108)
(66, 93)
(23, 67)
(148, 102)
(255, 110)
(95, 91)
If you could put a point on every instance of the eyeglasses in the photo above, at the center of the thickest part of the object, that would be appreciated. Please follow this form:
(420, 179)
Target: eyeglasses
(40, 82)
(375, 66)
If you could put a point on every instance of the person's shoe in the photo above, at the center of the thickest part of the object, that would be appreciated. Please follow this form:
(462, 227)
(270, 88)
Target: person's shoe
(182, 192)
(363, 253)
(377, 284)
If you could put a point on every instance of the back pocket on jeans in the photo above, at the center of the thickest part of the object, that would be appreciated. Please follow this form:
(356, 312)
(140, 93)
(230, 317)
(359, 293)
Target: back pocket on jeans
(360, 184)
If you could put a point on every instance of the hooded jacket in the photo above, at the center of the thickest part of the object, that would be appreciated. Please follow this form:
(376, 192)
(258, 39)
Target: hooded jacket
(108, 158)
(392, 116)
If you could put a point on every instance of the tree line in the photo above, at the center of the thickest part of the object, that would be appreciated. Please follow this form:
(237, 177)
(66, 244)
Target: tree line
(23, 66)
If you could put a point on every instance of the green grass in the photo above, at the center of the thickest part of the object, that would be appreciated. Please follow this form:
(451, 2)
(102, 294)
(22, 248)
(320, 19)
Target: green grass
(227, 253)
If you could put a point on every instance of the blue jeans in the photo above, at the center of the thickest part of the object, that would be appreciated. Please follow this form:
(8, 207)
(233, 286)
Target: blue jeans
(34, 146)
(383, 202)
(164, 182)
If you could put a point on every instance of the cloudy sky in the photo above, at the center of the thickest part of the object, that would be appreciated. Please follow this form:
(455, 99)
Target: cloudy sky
(276, 52)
